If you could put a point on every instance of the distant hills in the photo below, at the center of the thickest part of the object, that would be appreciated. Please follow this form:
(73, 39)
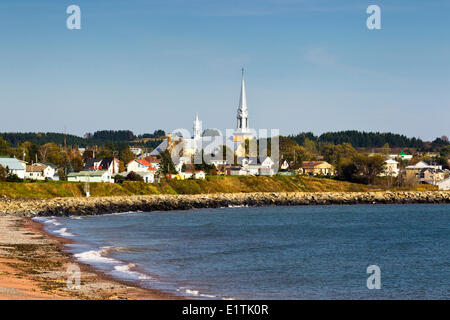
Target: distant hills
(97, 138)
(361, 139)
(358, 139)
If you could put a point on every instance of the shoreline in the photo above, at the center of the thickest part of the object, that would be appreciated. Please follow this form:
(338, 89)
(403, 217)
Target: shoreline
(117, 204)
(33, 266)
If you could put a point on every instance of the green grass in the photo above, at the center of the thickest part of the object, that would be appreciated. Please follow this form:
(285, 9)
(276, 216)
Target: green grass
(213, 184)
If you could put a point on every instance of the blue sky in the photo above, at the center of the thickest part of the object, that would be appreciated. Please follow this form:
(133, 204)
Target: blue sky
(144, 65)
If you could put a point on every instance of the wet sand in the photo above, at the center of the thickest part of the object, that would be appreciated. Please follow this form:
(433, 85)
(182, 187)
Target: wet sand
(33, 266)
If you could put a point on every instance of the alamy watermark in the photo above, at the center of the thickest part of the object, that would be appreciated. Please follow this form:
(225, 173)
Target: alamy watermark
(374, 280)
(74, 277)
(235, 147)
(74, 20)
(374, 20)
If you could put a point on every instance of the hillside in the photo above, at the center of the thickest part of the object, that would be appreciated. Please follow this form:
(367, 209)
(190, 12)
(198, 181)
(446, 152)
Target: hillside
(216, 184)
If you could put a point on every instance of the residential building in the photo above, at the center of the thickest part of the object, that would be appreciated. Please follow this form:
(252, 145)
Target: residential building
(390, 169)
(414, 171)
(136, 151)
(444, 184)
(140, 165)
(109, 164)
(316, 168)
(154, 161)
(194, 174)
(35, 171)
(431, 176)
(14, 166)
(51, 170)
(236, 171)
(91, 176)
(284, 165)
(148, 176)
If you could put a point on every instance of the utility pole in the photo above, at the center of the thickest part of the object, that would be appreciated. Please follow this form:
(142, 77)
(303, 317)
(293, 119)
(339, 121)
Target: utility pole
(87, 186)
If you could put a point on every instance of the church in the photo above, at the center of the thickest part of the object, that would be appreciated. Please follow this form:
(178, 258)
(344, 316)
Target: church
(197, 142)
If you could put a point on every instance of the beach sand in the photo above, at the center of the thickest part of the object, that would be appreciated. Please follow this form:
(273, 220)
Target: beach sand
(33, 266)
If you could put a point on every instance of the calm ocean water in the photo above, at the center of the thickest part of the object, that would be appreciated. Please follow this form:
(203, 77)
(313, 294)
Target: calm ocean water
(304, 252)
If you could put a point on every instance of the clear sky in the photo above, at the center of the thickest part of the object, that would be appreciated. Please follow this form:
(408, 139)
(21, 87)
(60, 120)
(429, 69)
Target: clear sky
(311, 65)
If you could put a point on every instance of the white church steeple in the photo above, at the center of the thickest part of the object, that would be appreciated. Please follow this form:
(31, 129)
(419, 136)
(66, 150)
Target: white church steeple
(242, 112)
(197, 127)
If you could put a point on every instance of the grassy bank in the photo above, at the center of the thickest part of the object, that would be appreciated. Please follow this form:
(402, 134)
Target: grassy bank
(215, 184)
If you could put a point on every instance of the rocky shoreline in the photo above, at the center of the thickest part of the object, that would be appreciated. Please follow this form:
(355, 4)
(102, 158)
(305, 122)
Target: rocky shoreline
(103, 205)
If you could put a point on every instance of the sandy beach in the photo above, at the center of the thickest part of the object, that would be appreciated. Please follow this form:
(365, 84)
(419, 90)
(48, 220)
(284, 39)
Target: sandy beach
(33, 266)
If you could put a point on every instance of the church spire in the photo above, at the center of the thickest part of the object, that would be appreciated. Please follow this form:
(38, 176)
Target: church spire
(197, 127)
(243, 98)
(242, 112)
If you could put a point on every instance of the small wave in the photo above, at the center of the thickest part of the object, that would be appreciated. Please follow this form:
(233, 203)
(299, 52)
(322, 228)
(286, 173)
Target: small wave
(195, 293)
(52, 221)
(120, 269)
(63, 232)
(238, 206)
(75, 217)
(95, 256)
(126, 269)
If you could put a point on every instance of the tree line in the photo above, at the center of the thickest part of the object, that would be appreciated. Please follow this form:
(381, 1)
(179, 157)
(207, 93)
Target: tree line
(102, 137)
(362, 139)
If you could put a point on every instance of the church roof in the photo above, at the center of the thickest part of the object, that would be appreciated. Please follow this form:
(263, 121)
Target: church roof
(243, 97)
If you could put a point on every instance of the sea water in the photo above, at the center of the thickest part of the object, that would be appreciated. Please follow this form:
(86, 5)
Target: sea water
(298, 252)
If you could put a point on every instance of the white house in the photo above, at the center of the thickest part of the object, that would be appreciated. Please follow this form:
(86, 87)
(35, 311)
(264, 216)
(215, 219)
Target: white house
(136, 151)
(266, 167)
(109, 164)
(267, 163)
(444, 184)
(50, 171)
(139, 165)
(154, 161)
(423, 165)
(284, 165)
(391, 168)
(36, 171)
(148, 176)
(90, 176)
(195, 174)
(236, 171)
(14, 166)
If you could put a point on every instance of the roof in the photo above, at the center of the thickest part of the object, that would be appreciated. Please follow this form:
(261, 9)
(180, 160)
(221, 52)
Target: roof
(161, 148)
(11, 163)
(143, 162)
(35, 168)
(103, 163)
(48, 164)
(87, 173)
(312, 164)
(391, 161)
(152, 159)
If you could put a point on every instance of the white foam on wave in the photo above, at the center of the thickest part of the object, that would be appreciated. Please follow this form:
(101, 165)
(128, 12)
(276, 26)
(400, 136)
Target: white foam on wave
(195, 293)
(238, 206)
(126, 269)
(63, 232)
(52, 221)
(120, 269)
(95, 256)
